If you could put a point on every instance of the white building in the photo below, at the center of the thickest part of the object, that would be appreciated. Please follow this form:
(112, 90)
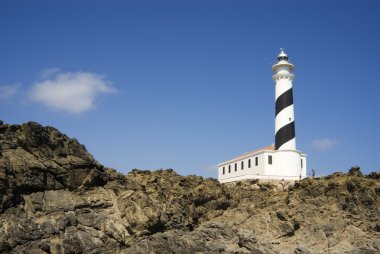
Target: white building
(283, 160)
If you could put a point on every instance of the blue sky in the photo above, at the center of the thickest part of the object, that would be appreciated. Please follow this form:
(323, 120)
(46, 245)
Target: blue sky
(187, 84)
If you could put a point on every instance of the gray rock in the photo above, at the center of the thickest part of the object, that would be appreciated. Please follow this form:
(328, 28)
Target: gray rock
(376, 244)
(45, 246)
(55, 198)
(5, 247)
(247, 239)
(215, 247)
(48, 228)
(355, 171)
(37, 200)
(256, 251)
(301, 250)
(72, 246)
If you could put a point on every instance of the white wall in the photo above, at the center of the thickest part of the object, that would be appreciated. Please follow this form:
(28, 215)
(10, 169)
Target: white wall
(235, 175)
(304, 166)
(286, 164)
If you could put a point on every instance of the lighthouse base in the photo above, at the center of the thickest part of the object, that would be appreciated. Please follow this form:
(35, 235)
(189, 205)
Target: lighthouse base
(264, 164)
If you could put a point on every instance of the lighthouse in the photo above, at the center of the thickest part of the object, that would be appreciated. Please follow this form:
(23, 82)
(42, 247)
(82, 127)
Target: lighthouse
(281, 161)
(285, 138)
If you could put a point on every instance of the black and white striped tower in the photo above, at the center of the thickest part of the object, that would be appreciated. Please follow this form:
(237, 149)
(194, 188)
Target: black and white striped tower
(284, 123)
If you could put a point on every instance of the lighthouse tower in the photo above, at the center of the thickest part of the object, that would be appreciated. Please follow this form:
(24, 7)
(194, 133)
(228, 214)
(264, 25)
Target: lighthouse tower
(284, 127)
(290, 161)
(279, 162)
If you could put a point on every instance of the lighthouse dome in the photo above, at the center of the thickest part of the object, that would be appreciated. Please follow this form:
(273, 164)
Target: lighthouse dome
(282, 55)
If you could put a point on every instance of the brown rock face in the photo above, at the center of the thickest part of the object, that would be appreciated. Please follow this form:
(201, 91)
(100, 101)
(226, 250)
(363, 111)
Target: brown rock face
(36, 158)
(55, 198)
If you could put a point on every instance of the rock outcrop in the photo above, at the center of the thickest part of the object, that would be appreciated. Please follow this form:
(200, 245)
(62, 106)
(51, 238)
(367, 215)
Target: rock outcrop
(55, 198)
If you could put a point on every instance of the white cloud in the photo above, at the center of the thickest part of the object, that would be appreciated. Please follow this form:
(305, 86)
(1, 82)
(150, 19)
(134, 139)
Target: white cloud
(72, 92)
(324, 144)
(7, 91)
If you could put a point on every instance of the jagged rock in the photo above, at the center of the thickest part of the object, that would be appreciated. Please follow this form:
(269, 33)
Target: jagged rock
(353, 185)
(5, 247)
(376, 244)
(355, 171)
(374, 175)
(55, 198)
(247, 239)
(281, 215)
(301, 250)
(256, 251)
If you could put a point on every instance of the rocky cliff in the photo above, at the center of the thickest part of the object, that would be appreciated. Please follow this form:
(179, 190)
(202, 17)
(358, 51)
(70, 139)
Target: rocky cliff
(55, 198)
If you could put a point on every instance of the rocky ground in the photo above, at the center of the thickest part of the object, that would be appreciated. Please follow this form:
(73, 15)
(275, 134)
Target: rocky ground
(55, 198)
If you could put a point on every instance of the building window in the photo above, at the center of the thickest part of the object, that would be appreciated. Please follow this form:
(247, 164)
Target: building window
(235, 166)
(224, 170)
(229, 168)
(249, 163)
(301, 163)
(257, 161)
(242, 165)
(270, 159)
